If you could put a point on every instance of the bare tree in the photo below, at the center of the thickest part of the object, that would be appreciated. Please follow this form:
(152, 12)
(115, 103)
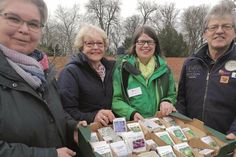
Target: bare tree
(67, 25)
(131, 24)
(192, 23)
(105, 12)
(165, 16)
(146, 8)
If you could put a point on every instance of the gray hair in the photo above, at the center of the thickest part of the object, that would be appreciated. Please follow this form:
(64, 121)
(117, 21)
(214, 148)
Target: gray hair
(40, 4)
(224, 9)
(88, 30)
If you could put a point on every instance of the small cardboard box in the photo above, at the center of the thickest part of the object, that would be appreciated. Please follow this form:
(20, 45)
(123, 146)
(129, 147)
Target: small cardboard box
(226, 146)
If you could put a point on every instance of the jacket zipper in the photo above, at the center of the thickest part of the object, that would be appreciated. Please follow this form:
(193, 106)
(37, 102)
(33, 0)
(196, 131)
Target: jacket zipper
(205, 96)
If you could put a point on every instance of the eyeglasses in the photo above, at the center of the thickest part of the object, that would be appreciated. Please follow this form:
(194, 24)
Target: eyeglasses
(143, 42)
(16, 21)
(225, 27)
(91, 44)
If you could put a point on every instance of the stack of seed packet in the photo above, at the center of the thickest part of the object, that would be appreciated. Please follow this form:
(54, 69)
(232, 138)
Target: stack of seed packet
(211, 142)
(177, 132)
(164, 136)
(185, 149)
(165, 151)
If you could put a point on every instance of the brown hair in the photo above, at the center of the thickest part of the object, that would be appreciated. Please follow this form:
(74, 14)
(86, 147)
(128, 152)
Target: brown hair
(151, 33)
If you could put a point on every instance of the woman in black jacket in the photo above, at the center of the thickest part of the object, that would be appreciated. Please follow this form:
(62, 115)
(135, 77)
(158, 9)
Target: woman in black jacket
(32, 120)
(86, 81)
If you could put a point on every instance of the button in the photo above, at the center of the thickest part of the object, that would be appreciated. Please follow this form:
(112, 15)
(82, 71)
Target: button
(14, 84)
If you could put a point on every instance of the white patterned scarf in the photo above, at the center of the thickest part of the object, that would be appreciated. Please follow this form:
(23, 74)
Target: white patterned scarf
(27, 67)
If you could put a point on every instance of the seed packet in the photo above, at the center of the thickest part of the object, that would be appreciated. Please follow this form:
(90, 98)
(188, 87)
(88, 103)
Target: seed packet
(151, 145)
(185, 149)
(94, 137)
(207, 152)
(102, 148)
(148, 154)
(177, 132)
(135, 127)
(150, 125)
(189, 132)
(208, 140)
(158, 122)
(108, 134)
(135, 141)
(120, 149)
(170, 121)
(166, 151)
(164, 136)
(119, 125)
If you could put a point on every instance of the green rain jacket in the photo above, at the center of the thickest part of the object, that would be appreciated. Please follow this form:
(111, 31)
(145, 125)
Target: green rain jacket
(140, 95)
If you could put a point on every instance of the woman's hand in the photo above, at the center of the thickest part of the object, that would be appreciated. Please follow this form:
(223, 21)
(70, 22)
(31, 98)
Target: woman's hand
(80, 123)
(137, 117)
(104, 117)
(166, 108)
(65, 152)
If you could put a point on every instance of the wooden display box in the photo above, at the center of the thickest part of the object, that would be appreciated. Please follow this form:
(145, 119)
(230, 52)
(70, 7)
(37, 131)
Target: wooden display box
(225, 150)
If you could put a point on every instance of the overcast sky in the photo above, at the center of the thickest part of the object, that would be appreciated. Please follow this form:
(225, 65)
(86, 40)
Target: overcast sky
(128, 7)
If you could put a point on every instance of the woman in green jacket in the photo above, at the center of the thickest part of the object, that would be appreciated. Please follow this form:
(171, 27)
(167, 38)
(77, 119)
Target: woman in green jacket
(143, 83)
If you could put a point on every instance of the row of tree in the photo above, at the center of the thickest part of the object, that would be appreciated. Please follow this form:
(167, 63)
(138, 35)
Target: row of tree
(180, 32)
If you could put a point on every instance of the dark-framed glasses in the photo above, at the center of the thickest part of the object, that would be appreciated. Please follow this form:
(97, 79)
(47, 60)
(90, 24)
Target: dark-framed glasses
(143, 42)
(224, 27)
(16, 21)
(91, 44)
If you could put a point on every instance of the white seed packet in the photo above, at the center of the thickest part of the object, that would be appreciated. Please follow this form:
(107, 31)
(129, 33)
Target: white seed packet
(94, 137)
(135, 127)
(138, 142)
(108, 134)
(158, 122)
(166, 151)
(177, 132)
(120, 149)
(102, 148)
(151, 144)
(119, 125)
(208, 140)
(207, 152)
(152, 126)
(164, 136)
(148, 154)
(169, 120)
(135, 141)
(185, 149)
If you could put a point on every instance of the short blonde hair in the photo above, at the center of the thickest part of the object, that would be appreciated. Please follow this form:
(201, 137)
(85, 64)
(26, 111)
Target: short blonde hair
(88, 30)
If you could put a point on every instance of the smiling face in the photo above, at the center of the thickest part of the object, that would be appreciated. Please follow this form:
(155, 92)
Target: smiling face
(145, 48)
(19, 38)
(219, 39)
(94, 47)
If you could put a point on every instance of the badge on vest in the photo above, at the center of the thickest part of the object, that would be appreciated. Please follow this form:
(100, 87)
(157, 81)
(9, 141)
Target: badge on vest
(134, 92)
(224, 79)
(230, 65)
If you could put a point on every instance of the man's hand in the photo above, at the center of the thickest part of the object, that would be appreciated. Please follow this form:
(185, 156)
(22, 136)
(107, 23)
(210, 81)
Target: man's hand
(65, 152)
(80, 123)
(104, 117)
(137, 117)
(166, 108)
